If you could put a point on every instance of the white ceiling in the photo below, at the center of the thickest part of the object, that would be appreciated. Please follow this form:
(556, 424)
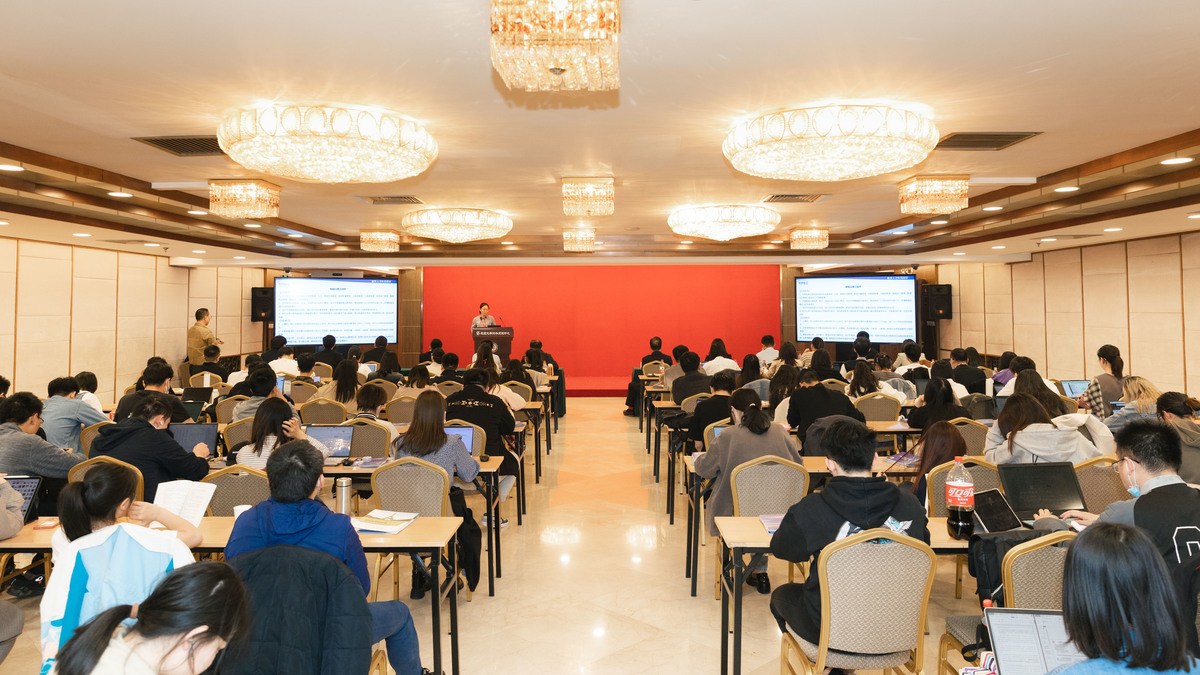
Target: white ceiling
(79, 81)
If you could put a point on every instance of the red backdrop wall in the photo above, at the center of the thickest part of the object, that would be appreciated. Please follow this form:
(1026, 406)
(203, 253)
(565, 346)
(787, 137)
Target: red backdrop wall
(597, 320)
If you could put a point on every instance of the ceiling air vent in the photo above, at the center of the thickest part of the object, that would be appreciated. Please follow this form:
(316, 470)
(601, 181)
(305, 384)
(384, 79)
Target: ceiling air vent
(985, 140)
(185, 146)
(793, 199)
(390, 200)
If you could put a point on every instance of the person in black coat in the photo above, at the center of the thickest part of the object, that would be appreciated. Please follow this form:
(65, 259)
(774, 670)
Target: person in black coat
(822, 365)
(656, 352)
(277, 343)
(434, 345)
(142, 439)
(473, 404)
(211, 354)
(156, 379)
(937, 404)
(376, 355)
(449, 370)
(710, 410)
(693, 381)
(812, 400)
(967, 375)
(328, 355)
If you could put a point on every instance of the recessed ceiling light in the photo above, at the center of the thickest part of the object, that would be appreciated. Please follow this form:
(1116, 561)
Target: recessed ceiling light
(149, 244)
(959, 253)
(239, 257)
(685, 242)
(1194, 216)
(993, 208)
(911, 241)
(506, 243)
(777, 241)
(1067, 188)
(1173, 160)
(197, 212)
(81, 234)
(119, 194)
(11, 167)
(1049, 239)
(295, 236)
(865, 241)
(3, 222)
(1112, 229)
(328, 243)
(598, 243)
(938, 222)
(996, 248)
(253, 225)
(199, 251)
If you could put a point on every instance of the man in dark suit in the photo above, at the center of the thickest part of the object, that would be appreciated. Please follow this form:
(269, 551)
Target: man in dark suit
(278, 342)
(376, 355)
(328, 355)
(211, 354)
(434, 345)
(449, 369)
(967, 375)
(812, 400)
(693, 381)
(656, 353)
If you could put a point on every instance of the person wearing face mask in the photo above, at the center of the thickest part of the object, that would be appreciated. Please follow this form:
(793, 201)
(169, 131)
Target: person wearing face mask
(142, 439)
(1163, 505)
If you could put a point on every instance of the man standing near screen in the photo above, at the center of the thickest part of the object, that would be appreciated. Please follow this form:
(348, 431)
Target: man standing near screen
(200, 336)
(484, 319)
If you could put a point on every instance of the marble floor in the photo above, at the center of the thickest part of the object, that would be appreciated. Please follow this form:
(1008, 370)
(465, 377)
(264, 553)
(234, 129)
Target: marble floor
(593, 580)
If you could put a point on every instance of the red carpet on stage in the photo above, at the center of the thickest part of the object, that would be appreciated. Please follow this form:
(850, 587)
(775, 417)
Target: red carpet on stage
(596, 320)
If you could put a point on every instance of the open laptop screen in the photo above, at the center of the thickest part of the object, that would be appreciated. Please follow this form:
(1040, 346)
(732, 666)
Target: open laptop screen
(335, 437)
(466, 433)
(1030, 641)
(1074, 388)
(1043, 485)
(27, 487)
(188, 435)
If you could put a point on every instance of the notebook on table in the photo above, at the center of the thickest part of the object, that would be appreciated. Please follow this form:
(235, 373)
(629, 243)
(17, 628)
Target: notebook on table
(334, 436)
(1029, 641)
(27, 487)
(1074, 388)
(188, 435)
(1042, 485)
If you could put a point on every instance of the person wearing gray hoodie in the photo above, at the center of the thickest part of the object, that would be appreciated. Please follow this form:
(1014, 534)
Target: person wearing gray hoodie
(1179, 411)
(1025, 433)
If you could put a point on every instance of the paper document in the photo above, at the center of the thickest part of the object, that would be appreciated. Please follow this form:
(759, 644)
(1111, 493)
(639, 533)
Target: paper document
(771, 521)
(187, 499)
(386, 522)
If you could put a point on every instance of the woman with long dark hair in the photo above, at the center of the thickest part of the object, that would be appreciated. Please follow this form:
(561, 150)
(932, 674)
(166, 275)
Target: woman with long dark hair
(389, 369)
(1105, 387)
(274, 424)
(1024, 433)
(822, 365)
(486, 357)
(1030, 383)
(344, 384)
(515, 372)
(788, 356)
(940, 443)
(863, 381)
(937, 404)
(179, 629)
(751, 378)
(419, 382)
(786, 379)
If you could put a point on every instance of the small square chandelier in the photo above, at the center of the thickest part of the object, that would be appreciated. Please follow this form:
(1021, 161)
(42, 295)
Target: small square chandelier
(243, 198)
(586, 197)
(557, 45)
(936, 195)
(379, 241)
(809, 239)
(579, 240)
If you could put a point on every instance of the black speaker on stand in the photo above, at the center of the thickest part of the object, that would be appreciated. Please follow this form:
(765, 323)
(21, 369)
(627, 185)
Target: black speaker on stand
(262, 304)
(936, 304)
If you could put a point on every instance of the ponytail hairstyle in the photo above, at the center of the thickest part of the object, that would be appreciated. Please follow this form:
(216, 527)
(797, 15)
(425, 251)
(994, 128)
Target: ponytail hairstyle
(201, 594)
(95, 498)
(1112, 356)
(1176, 403)
(750, 405)
(864, 381)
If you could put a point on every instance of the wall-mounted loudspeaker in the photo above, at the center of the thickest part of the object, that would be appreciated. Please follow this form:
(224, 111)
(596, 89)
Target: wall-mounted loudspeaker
(262, 304)
(937, 301)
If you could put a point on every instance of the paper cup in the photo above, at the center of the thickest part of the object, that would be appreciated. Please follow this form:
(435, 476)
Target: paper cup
(239, 510)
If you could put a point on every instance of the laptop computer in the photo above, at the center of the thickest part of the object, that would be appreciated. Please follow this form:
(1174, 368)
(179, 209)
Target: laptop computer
(1029, 641)
(1074, 388)
(1042, 485)
(993, 513)
(1000, 401)
(371, 366)
(27, 487)
(188, 435)
(200, 394)
(336, 437)
(467, 434)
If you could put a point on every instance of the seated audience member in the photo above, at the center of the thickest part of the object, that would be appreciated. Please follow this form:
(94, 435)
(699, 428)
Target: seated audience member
(285, 363)
(1015, 367)
(304, 367)
(694, 381)
(328, 355)
(434, 345)
(768, 353)
(418, 383)
(100, 561)
(142, 440)
(888, 377)
(1120, 608)
(153, 360)
(427, 439)
(515, 372)
(718, 359)
(22, 451)
(435, 368)
(275, 423)
(1003, 374)
(248, 364)
(1029, 382)
(1141, 402)
(786, 379)
(294, 516)
(189, 617)
(1105, 387)
(1149, 457)
(944, 370)
(64, 416)
(656, 353)
(787, 357)
(449, 369)
(389, 369)
(710, 410)
(1024, 433)
(344, 384)
(812, 400)
(966, 374)
(822, 365)
(937, 404)
(212, 354)
(974, 358)
(864, 383)
(805, 360)
(157, 380)
(862, 354)
(473, 404)
(277, 344)
(11, 503)
(535, 360)
(674, 371)
(633, 390)
(87, 390)
(852, 501)
(1179, 411)
(355, 354)
(486, 356)
(4, 385)
(370, 401)
(376, 355)
(903, 358)
(751, 378)
(910, 357)
(536, 345)
(263, 385)
(940, 443)
(751, 436)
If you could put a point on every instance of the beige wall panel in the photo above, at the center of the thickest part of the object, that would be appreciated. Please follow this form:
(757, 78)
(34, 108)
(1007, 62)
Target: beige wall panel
(1156, 312)
(1157, 339)
(8, 305)
(251, 331)
(970, 282)
(1105, 310)
(227, 313)
(1190, 257)
(94, 318)
(1064, 315)
(949, 330)
(997, 292)
(43, 315)
(1154, 276)
(1029, 310)
(171, 314)
(135, 316)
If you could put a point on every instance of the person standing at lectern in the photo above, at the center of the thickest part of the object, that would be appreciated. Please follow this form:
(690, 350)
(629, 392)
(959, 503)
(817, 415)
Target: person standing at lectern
(200, 336)
(484, 319)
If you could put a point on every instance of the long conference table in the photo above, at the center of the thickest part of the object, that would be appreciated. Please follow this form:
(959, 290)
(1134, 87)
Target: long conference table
(424, 536)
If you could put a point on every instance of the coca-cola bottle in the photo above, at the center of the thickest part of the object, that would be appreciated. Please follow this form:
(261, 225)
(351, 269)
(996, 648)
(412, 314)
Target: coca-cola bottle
(960, 501)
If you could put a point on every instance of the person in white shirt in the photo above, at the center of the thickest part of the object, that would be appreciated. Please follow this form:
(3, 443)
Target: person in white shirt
(768, 353)
(488, 348)
(240, 375)
(719, 359)
(371, 400)
(435, 367)
(1018, 364)
(286, 363)
(87, 389)
(910, 357)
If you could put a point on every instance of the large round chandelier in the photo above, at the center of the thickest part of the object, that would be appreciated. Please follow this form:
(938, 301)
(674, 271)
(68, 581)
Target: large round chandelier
(456, 225)
(327, 143)
(723, 222)
(243, 198)
(933, 194)
(832, 141)
(808, 239)
(557, 45)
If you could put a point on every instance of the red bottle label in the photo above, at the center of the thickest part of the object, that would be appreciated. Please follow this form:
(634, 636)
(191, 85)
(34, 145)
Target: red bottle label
(960, 494)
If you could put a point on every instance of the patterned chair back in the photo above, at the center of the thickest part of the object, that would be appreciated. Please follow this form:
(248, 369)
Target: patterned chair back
(412, 485)
(236, 485)
(1100, 484)
(370, 439)
(302, 392)
(322, 411)
(225, 408)
(88, 435)
(767, 485)
(878, 407)
(400, 410)
(1033, 572)
(974, 433)
(983, 474)
(80, 470)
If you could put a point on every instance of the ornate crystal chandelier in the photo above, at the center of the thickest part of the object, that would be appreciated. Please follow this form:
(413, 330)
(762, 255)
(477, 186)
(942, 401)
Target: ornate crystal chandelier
(327, 143)
(933, 194)
(723, 222)
(831, 142)
(557, 45)
(809, 239)
(243, 198)
(456, 225)
(588, 196)
(579, 240)
(379, 241)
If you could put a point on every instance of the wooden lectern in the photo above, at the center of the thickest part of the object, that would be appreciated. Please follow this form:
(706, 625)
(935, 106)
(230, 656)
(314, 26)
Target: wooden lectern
(501, 336)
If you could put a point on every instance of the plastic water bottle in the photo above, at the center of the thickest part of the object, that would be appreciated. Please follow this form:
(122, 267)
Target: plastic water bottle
(960, 501)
